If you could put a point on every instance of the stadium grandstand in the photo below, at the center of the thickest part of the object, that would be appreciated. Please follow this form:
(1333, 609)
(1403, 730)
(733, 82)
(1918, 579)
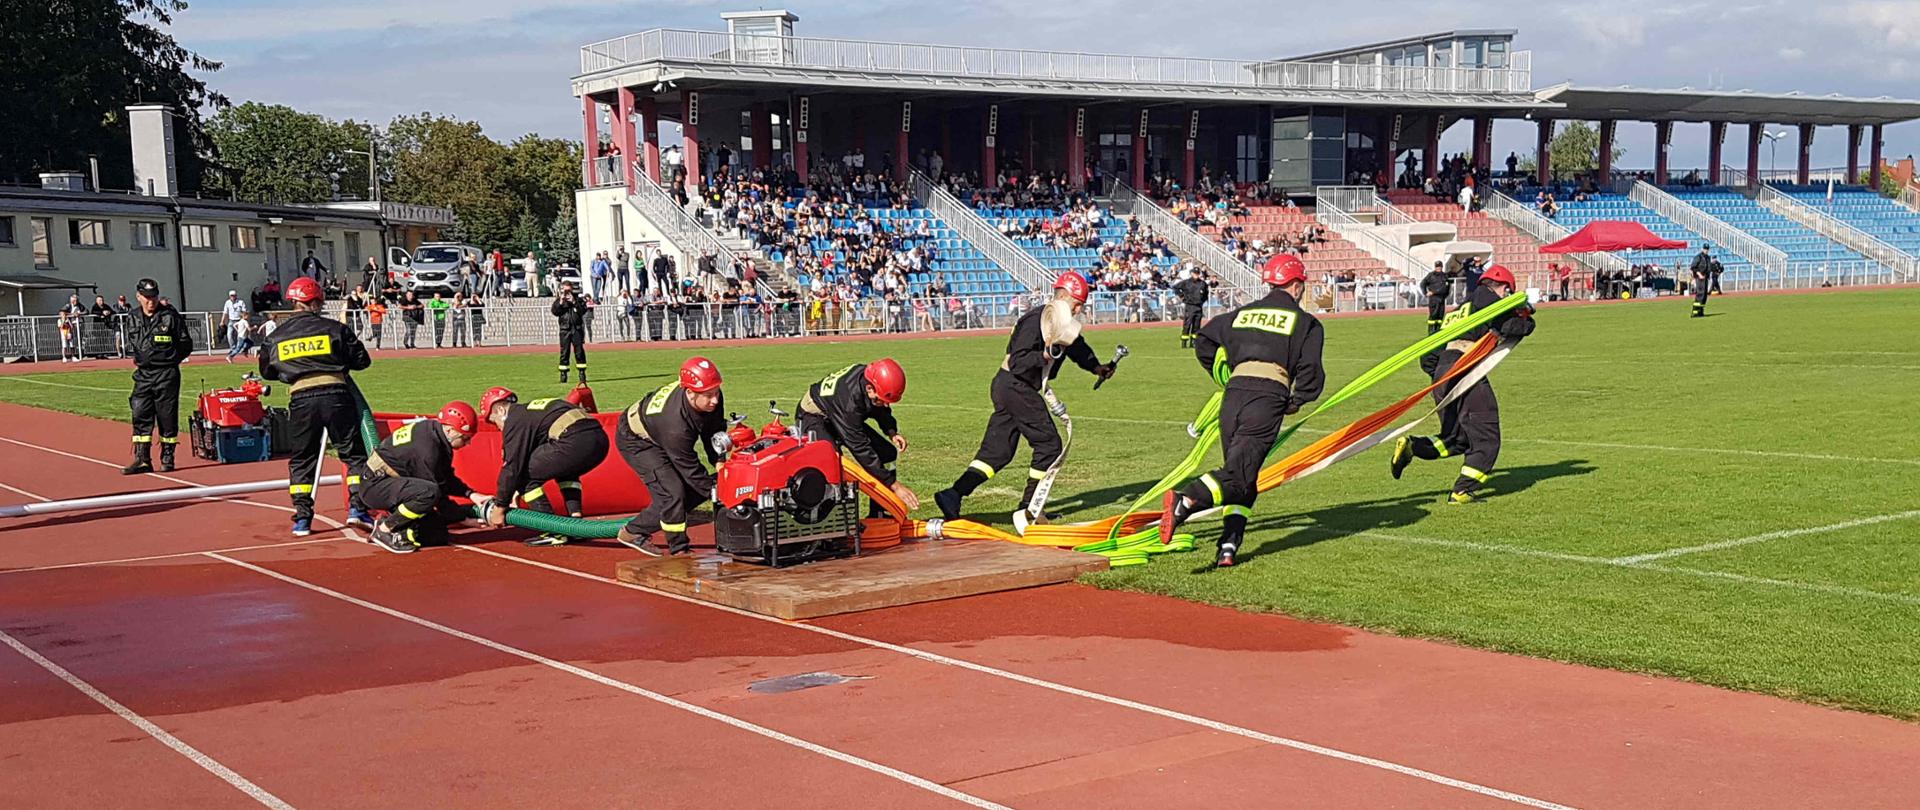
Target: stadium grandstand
(980, 171)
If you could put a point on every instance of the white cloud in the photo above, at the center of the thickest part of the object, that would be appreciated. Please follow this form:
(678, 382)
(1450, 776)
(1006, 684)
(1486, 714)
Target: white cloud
(1791, 54)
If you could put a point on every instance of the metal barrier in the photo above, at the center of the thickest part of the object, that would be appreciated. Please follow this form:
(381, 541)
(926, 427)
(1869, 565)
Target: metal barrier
(605, 171)
(1531, 222)
(730, 49)
(1181, 236)
(1709, 227)
(968, 223)
(1829, 226)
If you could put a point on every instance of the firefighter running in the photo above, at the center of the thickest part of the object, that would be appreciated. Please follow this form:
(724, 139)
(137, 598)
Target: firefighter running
(1435, 286)
(1040, 338)
(540, 441)
(572, 315)
(1470, 426)
(1193, 293)
(158, 338)
(1267, 355)
(657, 437)
(411, 478)
(313, 354)
(837, 409)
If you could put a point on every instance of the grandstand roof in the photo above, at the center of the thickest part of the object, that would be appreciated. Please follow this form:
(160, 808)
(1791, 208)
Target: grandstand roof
(1733, 106)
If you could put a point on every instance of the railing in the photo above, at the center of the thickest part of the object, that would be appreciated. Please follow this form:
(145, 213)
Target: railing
(605, 171)
(1127, 200)
(966, 222)
(680, 228)
(1531, 222)
(1910, 197)
(1346, 208)
(1709, 227)
(1830, 226)
(718, 47)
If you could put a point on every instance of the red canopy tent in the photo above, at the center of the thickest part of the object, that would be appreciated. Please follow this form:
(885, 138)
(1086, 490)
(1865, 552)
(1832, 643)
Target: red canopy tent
(1608, 236)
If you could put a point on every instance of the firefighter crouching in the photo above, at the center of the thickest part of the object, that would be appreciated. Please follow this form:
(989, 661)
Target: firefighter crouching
(411, 478)
(837, 409)
(1267, 354)
(158, 338)
(540, 441)
(657, 437)
(313, 354)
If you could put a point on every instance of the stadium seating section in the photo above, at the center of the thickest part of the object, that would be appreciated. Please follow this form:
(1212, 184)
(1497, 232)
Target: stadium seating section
(1800, 243)
(1511, 247)
(1865, 209)
(968, 271)
(1336, 255)
(1057, 260)
(1575, 215)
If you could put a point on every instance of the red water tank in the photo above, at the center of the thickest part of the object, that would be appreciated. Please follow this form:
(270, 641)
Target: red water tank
(610, 489)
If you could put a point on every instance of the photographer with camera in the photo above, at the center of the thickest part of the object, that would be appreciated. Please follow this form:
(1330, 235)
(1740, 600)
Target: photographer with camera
(572, 313)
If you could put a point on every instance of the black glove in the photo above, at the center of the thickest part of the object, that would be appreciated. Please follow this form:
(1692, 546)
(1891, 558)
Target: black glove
(1292, 408)
(1104, 370)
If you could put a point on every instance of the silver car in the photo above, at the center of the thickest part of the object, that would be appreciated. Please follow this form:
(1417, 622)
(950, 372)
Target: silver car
(433, 267)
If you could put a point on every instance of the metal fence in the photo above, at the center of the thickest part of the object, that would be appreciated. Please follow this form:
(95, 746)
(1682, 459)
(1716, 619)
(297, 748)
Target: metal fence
(725, 48)
(1192, 243)
(968, 223)
(1709, 227)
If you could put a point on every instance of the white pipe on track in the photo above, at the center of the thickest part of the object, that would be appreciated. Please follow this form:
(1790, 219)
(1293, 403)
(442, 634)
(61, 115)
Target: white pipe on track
(154, 497)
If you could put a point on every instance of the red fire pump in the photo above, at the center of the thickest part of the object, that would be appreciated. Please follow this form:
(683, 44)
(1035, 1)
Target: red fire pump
(231, 426)
(783, 498)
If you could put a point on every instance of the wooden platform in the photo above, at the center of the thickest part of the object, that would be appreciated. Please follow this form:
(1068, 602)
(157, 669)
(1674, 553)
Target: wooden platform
(906, 574)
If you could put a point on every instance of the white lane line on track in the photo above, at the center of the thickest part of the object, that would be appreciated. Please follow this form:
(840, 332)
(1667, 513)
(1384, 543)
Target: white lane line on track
(180, 747)
(174, 556)
(1158, 711)
(1764, 537)
(25, 494)
(811, 747)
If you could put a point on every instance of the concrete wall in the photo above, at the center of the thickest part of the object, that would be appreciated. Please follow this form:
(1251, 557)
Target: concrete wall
(607, 222)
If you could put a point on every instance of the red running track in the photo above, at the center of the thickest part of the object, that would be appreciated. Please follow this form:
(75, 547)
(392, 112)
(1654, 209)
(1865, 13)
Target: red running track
(329, 674)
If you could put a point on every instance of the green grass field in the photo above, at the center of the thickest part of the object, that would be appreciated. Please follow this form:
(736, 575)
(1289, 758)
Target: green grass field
(1779, 434)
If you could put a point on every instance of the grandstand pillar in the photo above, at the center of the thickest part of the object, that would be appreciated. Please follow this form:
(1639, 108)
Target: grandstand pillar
(989, 141)
(1076, 149)
(1662, 144)
(1716, 139)
(762, 122)
(1853, 152)
(1482, 142)
(623, 137)
(1431, 161)
(1605, 180)
(1139, 152)
(900, 155)
(650, 136)
(1873, 157)
(802, 115)
(1543, 152)
(1806, 154)
(690, 155)
(1191, 140)
(1754, 132)
(590, 119)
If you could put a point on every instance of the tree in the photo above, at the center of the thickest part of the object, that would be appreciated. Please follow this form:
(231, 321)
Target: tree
(69, 70)
(274, 153)
(442, 161)
(543, 172)
(563, 236)
(1576, 150)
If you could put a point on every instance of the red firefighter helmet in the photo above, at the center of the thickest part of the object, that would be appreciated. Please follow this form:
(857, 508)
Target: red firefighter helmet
(1285, 268)
(304, 290)
(699, 375)
(1074, 283)
(889, 381)
(460, 416)
(1497, 273)
(495, 396)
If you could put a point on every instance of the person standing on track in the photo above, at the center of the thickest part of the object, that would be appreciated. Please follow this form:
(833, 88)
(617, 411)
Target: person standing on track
(1192, 291)
(1040, 339)
(572, 314)
(657, 437)
(1436, 285)
(1470, 426)
(313, 354)
(159, 340)
(411, 478)
(543, 440)
(1268, 356)
(837, 409)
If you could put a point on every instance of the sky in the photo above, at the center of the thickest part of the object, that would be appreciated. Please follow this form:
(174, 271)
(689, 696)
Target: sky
(506, 63)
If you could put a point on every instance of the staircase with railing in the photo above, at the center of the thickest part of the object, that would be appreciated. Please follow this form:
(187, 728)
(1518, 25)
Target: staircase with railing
(1188, 242)
(1714, 230)
(969, 225)
(1902, 261)
(679, 228)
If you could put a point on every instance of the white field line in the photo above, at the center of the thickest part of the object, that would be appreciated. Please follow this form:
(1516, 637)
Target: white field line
(1762, 538)
(37, 381)
(702, 711)
(25, 494)
(1147, 708)
(211, 765)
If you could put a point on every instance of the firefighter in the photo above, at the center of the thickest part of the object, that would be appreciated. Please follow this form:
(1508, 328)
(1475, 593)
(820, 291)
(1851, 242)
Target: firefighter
(540, 441)
(313, 354)
(1040, 338)
(1705, 277)
(411, 478)
(837, 409)
(1436, 285)
(572, 314)
(1267, 354)
(1470, 426)
(160, 343)
(1193, 293)
(657, 437)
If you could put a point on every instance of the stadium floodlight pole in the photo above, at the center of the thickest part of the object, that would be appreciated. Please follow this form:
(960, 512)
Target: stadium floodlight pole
(1773, 150)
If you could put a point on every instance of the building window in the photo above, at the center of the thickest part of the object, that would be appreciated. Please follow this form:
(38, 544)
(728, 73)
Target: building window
(353, 247)
(244, 238)
(1246, 157)
(88, 233)
(7, 238)
(196, 237)
(42, 242)
(149, 235)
